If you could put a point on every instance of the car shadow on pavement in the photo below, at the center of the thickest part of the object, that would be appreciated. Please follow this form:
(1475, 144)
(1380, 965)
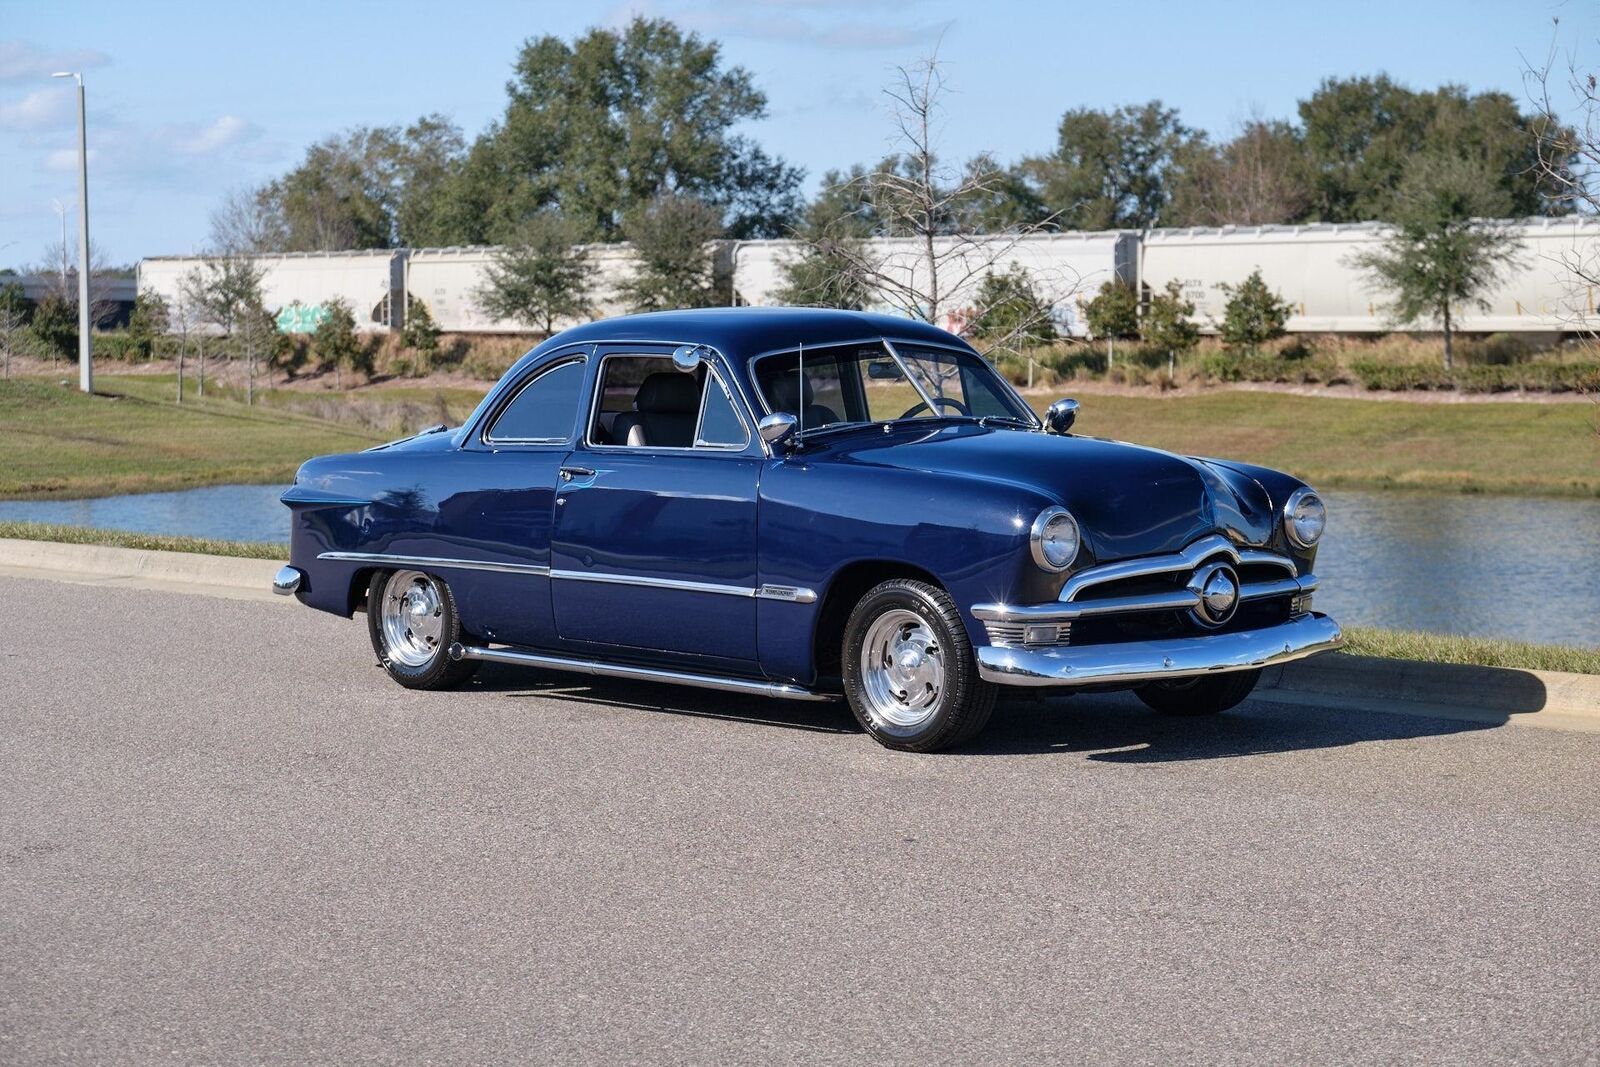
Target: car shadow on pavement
(830, 716)
(1110, 728)
(1117, 728)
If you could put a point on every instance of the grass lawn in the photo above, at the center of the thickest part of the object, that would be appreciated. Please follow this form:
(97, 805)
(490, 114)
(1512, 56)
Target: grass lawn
(1543, 449)
(1480, 651)
(81, 535)
(57, 442)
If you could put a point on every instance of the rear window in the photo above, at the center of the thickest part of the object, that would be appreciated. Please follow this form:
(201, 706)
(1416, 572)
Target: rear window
(545, 409)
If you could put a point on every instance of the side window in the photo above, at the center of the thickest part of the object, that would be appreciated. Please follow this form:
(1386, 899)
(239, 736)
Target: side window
(720, 426)
(544, 409)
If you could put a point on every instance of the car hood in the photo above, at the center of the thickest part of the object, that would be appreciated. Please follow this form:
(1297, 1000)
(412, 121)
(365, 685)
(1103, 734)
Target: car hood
(1129, 500)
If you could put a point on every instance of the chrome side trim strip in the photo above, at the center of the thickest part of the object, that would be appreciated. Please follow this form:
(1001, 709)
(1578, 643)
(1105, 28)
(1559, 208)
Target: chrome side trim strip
(608, 578)
(1188, 558)
(749, 686)
(787, 593)
(436, 561)
(1162, 659)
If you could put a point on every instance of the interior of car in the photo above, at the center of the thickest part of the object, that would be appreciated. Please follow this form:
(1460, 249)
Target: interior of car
(645, 402)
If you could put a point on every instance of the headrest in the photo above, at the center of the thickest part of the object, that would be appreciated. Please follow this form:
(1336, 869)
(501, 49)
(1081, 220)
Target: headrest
(789, 391)
(668, 393)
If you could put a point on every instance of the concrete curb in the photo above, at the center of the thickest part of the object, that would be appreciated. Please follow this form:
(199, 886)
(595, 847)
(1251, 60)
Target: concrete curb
(1439, 690)
(1491, 695)
(184, 572)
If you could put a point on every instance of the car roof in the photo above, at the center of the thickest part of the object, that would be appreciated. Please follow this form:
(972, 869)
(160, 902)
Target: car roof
(739, 333)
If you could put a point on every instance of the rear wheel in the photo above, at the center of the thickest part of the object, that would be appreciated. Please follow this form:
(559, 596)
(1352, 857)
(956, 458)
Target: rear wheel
(411, 618)
(909, 672)
(1205, 695)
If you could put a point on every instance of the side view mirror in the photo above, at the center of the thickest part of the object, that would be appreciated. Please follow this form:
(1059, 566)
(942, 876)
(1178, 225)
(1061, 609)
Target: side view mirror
(777, 429)
(1059, 417)
(687, 357)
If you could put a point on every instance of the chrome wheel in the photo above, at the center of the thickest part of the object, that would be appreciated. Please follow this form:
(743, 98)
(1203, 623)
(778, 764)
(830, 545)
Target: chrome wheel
(902, 669)
(412, 618)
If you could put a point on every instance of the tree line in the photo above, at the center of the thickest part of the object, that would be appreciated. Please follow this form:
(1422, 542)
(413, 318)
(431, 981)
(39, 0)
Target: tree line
(597, 129)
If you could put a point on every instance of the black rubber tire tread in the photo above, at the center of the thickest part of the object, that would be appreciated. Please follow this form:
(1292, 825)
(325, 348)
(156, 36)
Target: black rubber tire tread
(441, 672)
(968, 700)
(1207, 696)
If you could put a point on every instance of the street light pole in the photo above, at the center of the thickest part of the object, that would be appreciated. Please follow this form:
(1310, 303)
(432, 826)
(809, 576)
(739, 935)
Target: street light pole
(85, 341)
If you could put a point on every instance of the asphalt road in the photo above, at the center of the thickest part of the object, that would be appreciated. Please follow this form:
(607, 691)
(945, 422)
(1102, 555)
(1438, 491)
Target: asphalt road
(225, 837)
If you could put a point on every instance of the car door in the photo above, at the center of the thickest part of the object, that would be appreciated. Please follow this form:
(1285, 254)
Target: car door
(497, 520)
(654, 551)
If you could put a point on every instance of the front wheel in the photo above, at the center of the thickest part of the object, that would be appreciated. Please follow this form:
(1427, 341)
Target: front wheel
(1205, 695)
(909, 671)
(412, 620)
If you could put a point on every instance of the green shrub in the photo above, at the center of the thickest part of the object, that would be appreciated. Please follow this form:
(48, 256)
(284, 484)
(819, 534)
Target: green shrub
(1374, 374)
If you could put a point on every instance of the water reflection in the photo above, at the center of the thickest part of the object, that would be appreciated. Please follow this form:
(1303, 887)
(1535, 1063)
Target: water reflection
(1486, 566)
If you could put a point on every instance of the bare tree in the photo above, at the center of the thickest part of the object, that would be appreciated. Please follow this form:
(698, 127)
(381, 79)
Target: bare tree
(61, 261)
(940, 214)
(13, 316)
(197, 316)
(248, 221)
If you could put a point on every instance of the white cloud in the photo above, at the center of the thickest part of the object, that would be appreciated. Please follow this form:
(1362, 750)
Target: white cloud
(20, 61)
(66, 159)
(224, 132)
(39, 110)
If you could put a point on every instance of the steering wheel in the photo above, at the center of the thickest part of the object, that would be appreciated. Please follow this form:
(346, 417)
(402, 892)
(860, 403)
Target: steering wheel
(941, 401)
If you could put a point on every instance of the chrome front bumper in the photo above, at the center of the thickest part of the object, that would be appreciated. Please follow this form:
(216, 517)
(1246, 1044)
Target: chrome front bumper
(287, 580)
(1137, 662)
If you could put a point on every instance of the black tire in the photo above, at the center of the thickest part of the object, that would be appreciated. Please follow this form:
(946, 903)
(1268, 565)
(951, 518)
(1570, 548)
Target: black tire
(1206, 695)
(439, 671)
(959, 709)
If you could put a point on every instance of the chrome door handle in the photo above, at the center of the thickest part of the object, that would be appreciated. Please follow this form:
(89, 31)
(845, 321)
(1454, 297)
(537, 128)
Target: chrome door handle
(569, 473)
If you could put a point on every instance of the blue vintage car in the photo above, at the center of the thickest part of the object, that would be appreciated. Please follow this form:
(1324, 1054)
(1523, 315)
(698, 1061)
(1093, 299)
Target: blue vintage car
(806, 503)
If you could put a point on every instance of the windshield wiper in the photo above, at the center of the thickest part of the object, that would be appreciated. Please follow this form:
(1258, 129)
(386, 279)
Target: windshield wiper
(1007, 420)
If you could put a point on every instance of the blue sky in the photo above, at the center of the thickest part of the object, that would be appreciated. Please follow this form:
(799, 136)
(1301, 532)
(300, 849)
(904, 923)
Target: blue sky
(188, 100)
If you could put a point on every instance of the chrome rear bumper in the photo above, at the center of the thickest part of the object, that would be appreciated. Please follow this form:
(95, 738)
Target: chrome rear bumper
(1137, 662)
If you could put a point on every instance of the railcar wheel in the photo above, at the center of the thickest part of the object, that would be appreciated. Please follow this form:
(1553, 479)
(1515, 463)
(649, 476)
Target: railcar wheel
(1205, 695)
(411, 618)
(909, 672)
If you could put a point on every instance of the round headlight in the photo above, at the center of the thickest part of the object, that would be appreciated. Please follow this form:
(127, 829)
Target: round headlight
(1055, 539)
(1304, 517)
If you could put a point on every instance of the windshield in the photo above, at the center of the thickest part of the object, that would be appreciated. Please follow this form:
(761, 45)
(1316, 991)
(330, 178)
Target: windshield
(863, 383)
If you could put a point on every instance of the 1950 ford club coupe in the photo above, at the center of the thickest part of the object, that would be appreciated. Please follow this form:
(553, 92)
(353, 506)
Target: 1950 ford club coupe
(803, 503)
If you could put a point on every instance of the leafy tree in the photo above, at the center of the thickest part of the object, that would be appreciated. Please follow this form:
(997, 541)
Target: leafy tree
(831, 236)
(335, 344)
(540, 276)
(1167, 324)
(1361, 135)
(1445, 252)
(227, 289)
(148, 321)
(1111, 169)
(1010, 312)
(420, 331)
(1113, 313)
(603, 125)
(673, 265)
(1254, 313)
(55, 325)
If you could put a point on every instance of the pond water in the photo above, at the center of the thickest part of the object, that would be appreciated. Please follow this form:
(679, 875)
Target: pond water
(1489, 566)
